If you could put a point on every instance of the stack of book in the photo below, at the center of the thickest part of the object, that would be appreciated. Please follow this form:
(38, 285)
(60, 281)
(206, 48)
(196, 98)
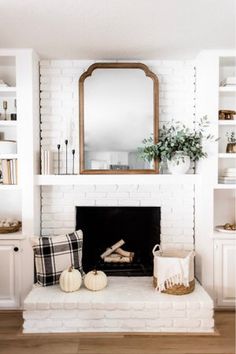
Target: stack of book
(46, 162)
(228, 176)
(8, 171)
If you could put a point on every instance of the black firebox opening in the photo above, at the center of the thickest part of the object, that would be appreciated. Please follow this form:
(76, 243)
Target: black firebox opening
(102, 227)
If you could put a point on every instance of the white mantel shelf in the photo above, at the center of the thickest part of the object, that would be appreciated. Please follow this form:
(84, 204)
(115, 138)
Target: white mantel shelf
(44, 180)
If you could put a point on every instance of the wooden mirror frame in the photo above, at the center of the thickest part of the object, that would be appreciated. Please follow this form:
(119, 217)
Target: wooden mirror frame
(83, 77)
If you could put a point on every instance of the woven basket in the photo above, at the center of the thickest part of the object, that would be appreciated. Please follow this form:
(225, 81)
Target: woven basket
(10, 229)
(177, 289)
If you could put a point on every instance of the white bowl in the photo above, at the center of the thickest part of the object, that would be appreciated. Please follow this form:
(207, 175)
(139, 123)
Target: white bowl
(8, 147)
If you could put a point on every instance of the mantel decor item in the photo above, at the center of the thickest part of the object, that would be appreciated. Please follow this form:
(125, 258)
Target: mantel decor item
(9, 225)
(58, 158)
(177, 145)
(118, 106)
(231, 146)
(4, 105)
(8, 147)
(226, 114)
(66, 143)
(66, 159)
(73, 161)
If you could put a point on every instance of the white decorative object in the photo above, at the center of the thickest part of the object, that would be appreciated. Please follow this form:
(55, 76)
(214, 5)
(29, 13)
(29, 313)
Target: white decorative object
(179, 164)
(8, 147)
(70, 280)
(95, 280)
(220, 228)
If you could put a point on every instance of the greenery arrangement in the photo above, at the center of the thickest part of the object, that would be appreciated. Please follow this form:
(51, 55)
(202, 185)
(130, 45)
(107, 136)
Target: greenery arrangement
(231, 138)
(176, 137)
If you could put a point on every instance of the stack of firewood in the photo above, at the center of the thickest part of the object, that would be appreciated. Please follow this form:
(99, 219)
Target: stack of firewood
(115, 254)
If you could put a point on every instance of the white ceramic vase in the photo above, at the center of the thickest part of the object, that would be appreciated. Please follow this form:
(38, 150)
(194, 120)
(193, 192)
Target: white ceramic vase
(179, 164)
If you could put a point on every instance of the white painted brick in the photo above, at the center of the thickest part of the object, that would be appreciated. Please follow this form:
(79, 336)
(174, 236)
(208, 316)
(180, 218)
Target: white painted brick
(128, 202)
(203, 314)
(165, 305)
(106, 188)
(207, 323)
(90, 314)
(118, 195)
(118, 314)
(187, 323)
(106, 202)
(162, 322)
(139, 195)
(148, 188)
(50, 72)
(172, 313)
(127, 187)
(144, 314)
(132, 324)
(76, 323)
(95, 196)
(60, 63)
(85, 202)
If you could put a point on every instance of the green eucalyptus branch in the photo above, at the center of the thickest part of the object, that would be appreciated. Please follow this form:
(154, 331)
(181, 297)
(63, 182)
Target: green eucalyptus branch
(175, 136)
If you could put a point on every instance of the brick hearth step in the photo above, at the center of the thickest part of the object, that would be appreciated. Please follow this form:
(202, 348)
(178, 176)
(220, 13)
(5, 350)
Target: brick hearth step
(128, 304)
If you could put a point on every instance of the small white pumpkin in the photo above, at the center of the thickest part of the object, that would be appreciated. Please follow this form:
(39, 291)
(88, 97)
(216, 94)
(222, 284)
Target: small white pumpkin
(70, 280)
(95, 280)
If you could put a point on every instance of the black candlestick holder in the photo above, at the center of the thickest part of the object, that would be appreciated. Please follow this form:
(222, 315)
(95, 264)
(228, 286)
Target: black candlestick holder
(66, 143)
(58, 158)
(73, 161)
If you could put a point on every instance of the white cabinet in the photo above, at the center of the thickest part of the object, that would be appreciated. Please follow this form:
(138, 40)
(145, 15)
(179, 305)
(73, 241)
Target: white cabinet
(9, 274)
(225, 272)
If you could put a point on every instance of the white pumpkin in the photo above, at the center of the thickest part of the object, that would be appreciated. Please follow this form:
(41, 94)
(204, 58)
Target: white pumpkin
(70, 280)
(95, 280)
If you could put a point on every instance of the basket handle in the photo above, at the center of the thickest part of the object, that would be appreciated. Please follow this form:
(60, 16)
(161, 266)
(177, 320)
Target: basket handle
(155, 248)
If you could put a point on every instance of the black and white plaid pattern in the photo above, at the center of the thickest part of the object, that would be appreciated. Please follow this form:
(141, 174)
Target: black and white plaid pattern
(55, 254)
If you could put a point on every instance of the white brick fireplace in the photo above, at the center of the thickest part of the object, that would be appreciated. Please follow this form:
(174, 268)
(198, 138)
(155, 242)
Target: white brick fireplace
(127, 304)
(176, 202)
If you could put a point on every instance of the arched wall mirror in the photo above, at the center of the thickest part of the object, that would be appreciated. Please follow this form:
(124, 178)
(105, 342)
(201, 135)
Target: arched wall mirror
(118, 108)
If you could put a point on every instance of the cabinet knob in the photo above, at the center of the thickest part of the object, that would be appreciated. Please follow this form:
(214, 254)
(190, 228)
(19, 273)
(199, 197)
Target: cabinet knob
(16, 249)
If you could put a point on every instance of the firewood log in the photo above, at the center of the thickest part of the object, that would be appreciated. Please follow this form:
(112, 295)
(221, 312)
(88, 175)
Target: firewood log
(112, 249)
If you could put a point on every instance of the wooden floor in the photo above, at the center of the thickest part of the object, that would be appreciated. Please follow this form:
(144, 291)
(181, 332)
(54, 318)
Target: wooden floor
(12, 341)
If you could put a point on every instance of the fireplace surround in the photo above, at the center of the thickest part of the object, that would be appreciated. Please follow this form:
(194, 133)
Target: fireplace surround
(102, 227)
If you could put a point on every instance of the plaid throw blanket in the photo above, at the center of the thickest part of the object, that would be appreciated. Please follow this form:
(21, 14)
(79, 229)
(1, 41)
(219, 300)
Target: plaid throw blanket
(55, 254)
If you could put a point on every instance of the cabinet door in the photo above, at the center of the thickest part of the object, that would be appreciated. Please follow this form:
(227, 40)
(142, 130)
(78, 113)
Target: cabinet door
(9, 275)
(225, 274)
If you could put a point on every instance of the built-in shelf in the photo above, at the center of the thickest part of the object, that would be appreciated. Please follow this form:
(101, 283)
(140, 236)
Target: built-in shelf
(8, 123)
(9, 187)
(226, 156)
(225, 186)
(227, 122)
(115, 179)
(7, 91)
(227, 89)
(8, 156)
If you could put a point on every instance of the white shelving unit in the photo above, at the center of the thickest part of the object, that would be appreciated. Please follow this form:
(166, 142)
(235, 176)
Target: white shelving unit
(227, 89)
(19, 69)
(227, 122)
(226, 156)
(217, 201)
